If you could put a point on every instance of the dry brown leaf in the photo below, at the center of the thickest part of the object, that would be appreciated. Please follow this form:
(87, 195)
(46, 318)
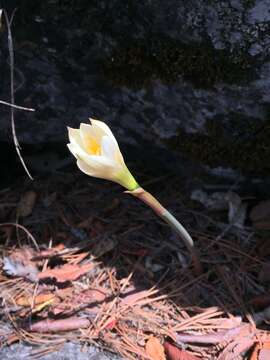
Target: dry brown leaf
(66, 272)
(26, 204)
(39, 299)
(174, 353)
(154, 349)
(86, 299)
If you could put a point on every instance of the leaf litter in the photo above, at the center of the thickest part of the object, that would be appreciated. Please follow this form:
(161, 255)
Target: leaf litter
(116, 277)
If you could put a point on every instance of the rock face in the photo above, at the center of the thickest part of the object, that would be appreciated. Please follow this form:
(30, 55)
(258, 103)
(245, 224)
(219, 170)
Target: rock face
(189, 75)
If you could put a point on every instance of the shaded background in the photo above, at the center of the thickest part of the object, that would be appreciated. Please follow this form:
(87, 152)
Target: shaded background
(184, 86)
(189, 77)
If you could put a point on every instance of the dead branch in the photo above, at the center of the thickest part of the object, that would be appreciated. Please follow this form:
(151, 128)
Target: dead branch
(12, 93)
(16, 106)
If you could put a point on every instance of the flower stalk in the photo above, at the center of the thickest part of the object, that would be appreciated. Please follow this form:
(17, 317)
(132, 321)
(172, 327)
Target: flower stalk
(164, 214)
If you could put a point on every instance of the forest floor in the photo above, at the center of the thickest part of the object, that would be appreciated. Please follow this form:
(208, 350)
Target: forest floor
(83, 263)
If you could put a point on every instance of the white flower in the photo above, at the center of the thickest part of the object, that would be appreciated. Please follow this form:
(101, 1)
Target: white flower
(98, 154)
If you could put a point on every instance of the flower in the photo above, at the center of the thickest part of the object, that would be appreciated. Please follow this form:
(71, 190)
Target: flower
(98, 154)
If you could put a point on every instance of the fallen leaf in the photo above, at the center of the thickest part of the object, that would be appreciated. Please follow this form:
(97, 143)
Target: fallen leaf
(154, 349)
(26, 204)
(87, 299)
(66, 272)
(174, 353)
(39, 299)
(41, 306)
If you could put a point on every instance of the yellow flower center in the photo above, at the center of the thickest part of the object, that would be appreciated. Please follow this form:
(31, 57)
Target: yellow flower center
(92, 146)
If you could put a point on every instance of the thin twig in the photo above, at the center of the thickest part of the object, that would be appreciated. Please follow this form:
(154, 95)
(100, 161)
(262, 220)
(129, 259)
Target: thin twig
(16, 106)
(12, 97)
(31, 237)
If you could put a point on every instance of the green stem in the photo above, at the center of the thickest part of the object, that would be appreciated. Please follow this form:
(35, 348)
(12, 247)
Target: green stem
(156, 206)
(179, 229)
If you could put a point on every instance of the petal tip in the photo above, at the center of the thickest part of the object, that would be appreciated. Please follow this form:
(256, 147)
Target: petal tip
(94, 121)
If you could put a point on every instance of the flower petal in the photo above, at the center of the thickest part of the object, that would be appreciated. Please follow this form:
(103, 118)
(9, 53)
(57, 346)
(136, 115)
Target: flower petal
(74, 136)
(86, 129)
(77, 151)
(93, 132)
(98, 162)
(88, 170)
(91, 142)
(72, 149)
(111, 150)
(93, 161)
(108, 147)
(98, 153)
(102, 128)
(101, 171)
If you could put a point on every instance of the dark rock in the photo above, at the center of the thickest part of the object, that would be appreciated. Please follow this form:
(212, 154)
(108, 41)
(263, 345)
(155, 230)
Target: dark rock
(188, 75)
(68, 351)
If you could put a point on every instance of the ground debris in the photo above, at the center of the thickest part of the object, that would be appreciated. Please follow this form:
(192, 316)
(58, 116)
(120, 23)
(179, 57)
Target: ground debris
(26, 204)
(50, 325)
(58, 284)
(154, 349)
